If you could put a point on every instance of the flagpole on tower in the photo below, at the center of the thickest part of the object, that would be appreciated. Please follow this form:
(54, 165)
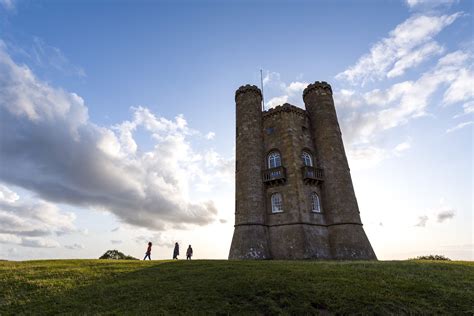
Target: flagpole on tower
(261, 87)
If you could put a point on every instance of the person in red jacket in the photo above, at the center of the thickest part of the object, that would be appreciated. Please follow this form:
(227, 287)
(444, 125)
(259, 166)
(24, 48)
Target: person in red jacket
(148, 252)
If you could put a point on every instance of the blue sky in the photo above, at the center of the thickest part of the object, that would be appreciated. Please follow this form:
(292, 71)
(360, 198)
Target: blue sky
(117, 118)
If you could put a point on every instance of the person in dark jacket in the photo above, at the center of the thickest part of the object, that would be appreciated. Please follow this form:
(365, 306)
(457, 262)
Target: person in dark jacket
(148, 252)
(189, 253)
(176, 251)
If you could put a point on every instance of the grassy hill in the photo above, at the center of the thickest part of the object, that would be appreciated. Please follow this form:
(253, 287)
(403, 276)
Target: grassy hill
(229, 287)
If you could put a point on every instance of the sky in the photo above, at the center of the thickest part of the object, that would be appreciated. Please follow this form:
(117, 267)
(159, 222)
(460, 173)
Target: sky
(117, 118)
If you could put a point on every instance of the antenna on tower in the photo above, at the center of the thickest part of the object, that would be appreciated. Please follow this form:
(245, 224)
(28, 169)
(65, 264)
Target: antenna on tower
(261, 86)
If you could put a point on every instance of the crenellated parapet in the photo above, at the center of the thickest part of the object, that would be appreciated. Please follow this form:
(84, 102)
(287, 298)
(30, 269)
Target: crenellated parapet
(319, 87)
(248, 88)
(285, 108)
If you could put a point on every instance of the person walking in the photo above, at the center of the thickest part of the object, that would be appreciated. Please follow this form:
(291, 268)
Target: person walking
(176, 251)
(148, 252)
(189, 253)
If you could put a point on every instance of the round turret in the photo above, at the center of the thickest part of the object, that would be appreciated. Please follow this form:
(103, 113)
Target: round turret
(347, 238)
(250, 234)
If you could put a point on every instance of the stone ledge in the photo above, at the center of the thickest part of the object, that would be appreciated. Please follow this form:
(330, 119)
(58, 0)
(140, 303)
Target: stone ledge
(298, 223)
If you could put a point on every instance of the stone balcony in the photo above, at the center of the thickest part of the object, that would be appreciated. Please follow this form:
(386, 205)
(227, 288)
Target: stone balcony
(312, 175)
(274, 175)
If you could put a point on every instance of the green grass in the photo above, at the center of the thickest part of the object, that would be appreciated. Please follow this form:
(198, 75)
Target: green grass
(236, 287)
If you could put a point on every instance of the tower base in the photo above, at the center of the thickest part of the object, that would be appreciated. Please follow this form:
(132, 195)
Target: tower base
(349, 242)
(250, 242)
(299, 241)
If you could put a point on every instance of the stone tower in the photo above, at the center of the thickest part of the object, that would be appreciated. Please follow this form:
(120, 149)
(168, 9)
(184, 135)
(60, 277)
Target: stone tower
(294, 193)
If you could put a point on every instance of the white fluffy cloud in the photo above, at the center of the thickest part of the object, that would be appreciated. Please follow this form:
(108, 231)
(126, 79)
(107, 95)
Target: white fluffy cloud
(285, 93)
(408, 45)
(379, 110)
(49, 146)
(365, 116)
(402, 147)
(31, 224)
(210, 135)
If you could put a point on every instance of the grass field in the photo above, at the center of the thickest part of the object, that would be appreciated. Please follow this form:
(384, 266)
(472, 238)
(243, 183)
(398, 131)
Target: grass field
(236, 287)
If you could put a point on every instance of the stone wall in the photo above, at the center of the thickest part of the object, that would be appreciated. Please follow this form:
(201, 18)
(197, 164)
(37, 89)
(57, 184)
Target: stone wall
(297, 232)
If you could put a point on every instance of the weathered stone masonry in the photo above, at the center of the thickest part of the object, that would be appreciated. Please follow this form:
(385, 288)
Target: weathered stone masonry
(292, 208)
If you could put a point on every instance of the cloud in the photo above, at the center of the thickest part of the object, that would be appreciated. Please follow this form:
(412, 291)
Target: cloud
(7, 195)
(459, 126)
(210, 135)
(365, 116)
(223, 221)
(445, 215)
(402, 147)
(414, 58)
(378, 110)
(116, 242)
(408, 45)
(461, 89)
(284, 93)
(428, 4)
(49, 146)
(50, 57)
(273, 102)
(157, 239)
(348, 99)
(468, 108)
(363, 157)
(442, 213)
(422, 221)
(21, 218)
(39, 243)
(74, 246)
(9, 5)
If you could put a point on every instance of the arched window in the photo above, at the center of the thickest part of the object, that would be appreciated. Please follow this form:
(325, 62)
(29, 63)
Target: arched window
(277, 203)
(307, 159)
(274, 160)
(315, 203)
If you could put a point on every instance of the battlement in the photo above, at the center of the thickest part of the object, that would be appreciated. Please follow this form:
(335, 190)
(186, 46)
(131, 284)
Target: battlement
(288, 108)
(248, 88)
(319, 87)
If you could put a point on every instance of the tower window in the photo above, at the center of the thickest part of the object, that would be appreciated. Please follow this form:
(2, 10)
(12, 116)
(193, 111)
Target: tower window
(277, 203)
(307, 159)
(315, 203)
(274, 160)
